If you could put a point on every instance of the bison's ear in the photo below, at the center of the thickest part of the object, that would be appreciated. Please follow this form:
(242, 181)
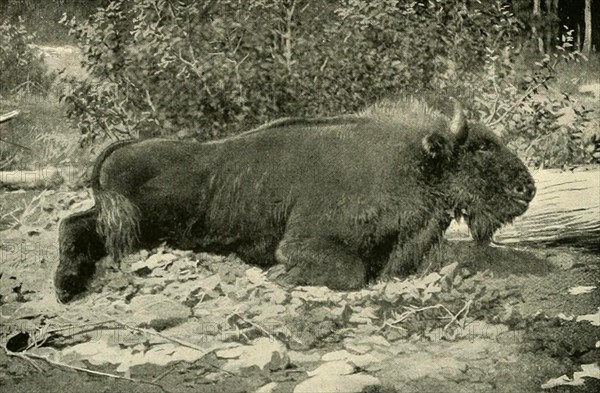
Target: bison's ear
(458, 125)
(437, 146)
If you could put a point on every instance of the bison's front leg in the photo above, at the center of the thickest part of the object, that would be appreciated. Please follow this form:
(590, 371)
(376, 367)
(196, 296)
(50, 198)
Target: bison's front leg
(80, 247)
(408, 254)
(320, 261)
(313, 255)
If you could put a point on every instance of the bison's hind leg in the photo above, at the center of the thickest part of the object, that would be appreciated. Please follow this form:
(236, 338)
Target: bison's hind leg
(80, 247)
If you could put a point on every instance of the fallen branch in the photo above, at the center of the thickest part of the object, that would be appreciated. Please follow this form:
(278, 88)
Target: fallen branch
(8, 116)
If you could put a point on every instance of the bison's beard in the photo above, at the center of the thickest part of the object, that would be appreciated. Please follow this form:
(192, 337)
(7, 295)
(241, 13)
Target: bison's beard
(483, 223)
(482, 226)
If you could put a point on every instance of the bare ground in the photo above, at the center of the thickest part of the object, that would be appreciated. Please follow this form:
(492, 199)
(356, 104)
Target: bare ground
(178, 321)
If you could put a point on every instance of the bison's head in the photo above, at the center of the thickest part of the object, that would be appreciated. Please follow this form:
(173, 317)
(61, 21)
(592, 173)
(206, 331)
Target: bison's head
(489, 185)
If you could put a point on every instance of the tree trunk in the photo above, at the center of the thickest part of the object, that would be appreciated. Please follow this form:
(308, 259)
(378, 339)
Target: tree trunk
(587, 40)
(551, 13)
(536, 36)
(565, 211)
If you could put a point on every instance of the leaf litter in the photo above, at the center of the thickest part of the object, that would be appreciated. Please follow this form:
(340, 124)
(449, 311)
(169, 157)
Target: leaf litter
(167, 307)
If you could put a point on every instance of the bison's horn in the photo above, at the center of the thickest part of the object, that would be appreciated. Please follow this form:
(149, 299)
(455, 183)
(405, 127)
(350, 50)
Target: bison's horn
(458, 125)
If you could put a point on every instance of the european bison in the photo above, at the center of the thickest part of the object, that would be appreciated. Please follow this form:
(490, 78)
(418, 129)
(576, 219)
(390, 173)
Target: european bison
(339, 201)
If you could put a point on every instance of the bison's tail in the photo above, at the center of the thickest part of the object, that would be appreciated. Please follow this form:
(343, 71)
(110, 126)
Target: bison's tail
(118, 223)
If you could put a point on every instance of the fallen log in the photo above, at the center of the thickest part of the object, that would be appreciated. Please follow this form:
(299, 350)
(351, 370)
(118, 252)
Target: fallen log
(565, 211)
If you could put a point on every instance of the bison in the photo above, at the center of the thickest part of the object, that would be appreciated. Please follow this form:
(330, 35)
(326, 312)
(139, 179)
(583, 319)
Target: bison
(338, 201)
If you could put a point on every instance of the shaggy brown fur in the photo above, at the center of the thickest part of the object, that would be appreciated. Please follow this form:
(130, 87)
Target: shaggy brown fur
(339, 201)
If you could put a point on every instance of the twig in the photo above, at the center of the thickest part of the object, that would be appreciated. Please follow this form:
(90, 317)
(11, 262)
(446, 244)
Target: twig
(413, 311)
(149, 100)
(87, 327)
(191, 65)
(324, 64)
(123, 325)
(465, 309)
(165, 373)
(288, 36)
(12, 214)
(408, 313)
(28, 357)
(93, 372)
(22, 356)
(8, 116)
(239, 43)
(175, 340)
(519, 101)
(15, 144)
(263, 329)
(495, 105)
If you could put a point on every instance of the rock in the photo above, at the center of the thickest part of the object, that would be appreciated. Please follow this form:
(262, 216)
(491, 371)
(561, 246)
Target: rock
(217, 309)
(361, 361)
(256, 276)
(210, 286)
(473, 350)
(155, 261)
(337, 367)
(9, 285)
(396, 334)
(449, 271)
(266, 353)
(364, 315)
(399, 370)
(157, 311)
(591, 88)
(357, 348)
(336, 383)
(268, 388)
(336, 355)
(302, 357)
(362, 343)
(181, 291)
(276, 295)
(267, 313)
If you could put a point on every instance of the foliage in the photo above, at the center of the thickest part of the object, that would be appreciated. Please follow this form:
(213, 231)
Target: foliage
(23, 68)
(41, 16)
(208, 69)
(544, 126)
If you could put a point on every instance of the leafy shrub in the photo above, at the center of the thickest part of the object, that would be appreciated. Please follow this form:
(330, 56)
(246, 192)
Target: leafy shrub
(207, 69)
(542, 125)
(41, 16)
(23, 68)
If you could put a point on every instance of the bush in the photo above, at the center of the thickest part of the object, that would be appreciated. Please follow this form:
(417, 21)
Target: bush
(208, 69)
(23, 68)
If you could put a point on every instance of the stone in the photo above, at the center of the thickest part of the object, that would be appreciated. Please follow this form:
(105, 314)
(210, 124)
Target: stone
(266, 353)
(336, 383)
(157, 311)
(337, 367)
